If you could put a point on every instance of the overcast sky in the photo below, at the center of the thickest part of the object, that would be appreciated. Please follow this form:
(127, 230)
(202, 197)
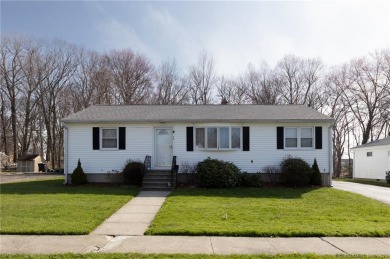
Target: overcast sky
(234, 33)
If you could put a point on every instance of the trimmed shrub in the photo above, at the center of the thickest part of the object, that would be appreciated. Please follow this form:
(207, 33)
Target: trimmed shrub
(133, 173)
(78, 176)
(250, 180)
(388, 177)
(316, 179)
(295, 172)
(218, 173)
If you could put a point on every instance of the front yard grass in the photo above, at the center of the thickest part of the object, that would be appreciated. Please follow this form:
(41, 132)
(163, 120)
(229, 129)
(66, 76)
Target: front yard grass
(49, 207)
(270, 212)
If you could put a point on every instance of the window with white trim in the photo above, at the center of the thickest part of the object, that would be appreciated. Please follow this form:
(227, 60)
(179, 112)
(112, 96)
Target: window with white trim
(109, 138)
(218, 138)
(298, 137)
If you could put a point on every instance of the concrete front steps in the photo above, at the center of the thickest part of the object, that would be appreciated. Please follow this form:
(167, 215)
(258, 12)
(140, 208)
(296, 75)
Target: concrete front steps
(157, 180)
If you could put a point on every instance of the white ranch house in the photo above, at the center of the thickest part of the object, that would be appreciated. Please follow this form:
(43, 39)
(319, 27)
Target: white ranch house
(372, 160)
(251, 136)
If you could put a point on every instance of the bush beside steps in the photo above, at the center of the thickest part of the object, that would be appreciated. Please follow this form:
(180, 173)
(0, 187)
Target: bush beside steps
(78, 176)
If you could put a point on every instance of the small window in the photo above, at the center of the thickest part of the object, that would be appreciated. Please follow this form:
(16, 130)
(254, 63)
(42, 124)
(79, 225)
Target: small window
(369, 153)
(291, 137)
(236, 138)
(212, 140)
(299, 138)
(306, 137)
(200, 137)
(223, 137)
(110, 138)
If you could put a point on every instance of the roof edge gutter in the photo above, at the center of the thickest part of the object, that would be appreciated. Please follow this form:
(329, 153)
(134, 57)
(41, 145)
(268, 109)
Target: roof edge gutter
(201, 121)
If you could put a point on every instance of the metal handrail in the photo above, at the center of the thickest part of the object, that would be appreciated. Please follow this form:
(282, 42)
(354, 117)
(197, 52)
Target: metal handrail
(174, 170)
(148, 163)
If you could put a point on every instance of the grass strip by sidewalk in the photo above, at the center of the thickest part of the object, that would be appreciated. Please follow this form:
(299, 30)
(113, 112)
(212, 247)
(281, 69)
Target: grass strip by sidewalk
(197, 256)
(271, 212)
(49, 207)
(375, 183)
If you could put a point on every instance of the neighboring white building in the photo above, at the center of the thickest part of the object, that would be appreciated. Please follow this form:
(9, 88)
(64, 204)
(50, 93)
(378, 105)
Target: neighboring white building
(251, 136)
(372, 160)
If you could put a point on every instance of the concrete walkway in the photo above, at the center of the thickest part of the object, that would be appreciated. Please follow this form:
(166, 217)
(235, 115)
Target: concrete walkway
(134, 218)
(375, 192)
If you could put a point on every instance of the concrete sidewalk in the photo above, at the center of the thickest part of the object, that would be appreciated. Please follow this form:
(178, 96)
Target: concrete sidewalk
(11, 244)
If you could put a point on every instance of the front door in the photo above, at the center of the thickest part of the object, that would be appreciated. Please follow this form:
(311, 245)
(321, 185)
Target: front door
(164, 144)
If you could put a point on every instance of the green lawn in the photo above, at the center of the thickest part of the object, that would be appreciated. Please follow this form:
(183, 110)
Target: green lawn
(376, 183)
(49, 207)
(280, 212)
(200, 256)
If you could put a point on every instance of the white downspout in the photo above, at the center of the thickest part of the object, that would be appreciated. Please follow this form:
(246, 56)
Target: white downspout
(330, 153)
(66, 154)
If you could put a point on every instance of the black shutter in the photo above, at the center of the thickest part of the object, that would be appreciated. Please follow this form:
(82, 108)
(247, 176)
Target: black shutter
(95, 138)
(245, 138)
(122, 138)
(190, 138)
(279, 137)
(318, 137)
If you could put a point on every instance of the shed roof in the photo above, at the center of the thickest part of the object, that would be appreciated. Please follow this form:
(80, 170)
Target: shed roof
(379, 142)
(27, 157)
(197, 113)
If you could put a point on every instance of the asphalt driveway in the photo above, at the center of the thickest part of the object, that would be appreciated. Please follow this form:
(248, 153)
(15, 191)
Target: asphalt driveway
(26, 177)
(375, 192)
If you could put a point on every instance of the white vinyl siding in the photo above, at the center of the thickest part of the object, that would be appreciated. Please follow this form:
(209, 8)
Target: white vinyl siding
(371, 162)
(262, 153)
(140, 141)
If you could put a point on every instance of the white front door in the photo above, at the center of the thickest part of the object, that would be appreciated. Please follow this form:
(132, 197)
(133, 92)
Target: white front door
(164, 144)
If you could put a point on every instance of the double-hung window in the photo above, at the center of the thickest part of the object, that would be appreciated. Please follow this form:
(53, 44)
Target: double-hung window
(218, 138)
(298, 137)
(109, 138)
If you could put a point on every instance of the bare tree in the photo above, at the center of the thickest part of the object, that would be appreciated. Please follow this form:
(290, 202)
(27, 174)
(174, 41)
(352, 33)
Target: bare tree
(367, 97)
(131, 77)
(336, 83)
(11, 53)
(299, 80)
(59, 67)
(29, 98)
(202, 80)
(5, 123)
(232, 91)
(261, 85)
(170, 88)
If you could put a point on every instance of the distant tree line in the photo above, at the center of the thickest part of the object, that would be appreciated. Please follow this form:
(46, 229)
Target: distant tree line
(44, 81)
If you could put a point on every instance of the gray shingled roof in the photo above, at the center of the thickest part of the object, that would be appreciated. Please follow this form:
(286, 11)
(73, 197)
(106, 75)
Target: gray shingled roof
(197, 113)
(379, 142)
